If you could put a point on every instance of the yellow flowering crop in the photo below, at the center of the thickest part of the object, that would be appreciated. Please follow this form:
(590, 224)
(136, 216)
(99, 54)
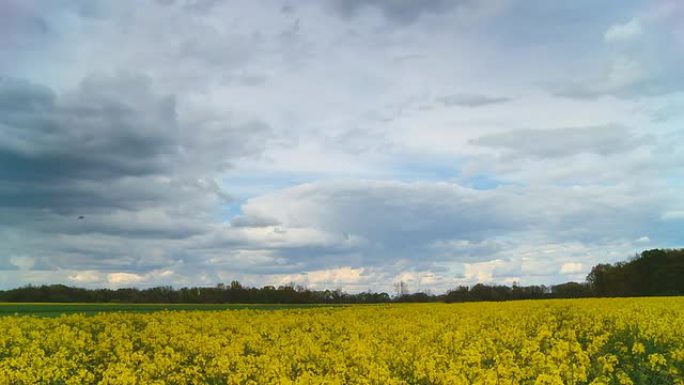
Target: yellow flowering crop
(589, 341)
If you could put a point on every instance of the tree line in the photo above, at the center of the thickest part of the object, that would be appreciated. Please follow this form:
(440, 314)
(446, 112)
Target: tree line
(654, 272)
(657, 272)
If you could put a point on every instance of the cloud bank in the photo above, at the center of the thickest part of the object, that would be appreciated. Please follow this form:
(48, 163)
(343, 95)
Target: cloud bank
(336, 144)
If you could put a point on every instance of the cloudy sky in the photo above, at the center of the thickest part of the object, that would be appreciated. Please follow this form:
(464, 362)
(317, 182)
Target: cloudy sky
(336, 144)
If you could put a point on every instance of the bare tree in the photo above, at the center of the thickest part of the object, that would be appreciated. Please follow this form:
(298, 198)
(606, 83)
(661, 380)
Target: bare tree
(401, 288)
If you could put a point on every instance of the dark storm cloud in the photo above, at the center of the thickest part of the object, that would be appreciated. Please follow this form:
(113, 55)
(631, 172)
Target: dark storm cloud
(111, 143)
(93, 134)
(111, 175)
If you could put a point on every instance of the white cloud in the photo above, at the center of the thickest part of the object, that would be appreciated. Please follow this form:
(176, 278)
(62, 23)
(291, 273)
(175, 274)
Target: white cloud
(644, 239)
(325, 279)
(498, 235)
(640, 66)
(673, 215)
(623, 32)
(124, 278)
(23, 262)
(87, 276)
(571, 268)
(482, 271)
(623, 72)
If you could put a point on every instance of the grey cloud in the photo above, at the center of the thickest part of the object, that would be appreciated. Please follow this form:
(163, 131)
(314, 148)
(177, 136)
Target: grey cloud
(399, 11)
(91, 136)
(253, 221)
(471, 100)
(508, 270)
(112, 139)
(659, 85)
(287, 8)
(202, 5)
(561, 142)
(141, 173)
(192, 5)
(188, 45)
(379, 225)
(645, 67)
(22, 95)
(467, 251)
(383, 210)
(666, 113)
(434, 223)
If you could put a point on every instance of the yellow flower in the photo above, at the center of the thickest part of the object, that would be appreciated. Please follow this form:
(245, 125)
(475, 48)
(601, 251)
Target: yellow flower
(540, 342)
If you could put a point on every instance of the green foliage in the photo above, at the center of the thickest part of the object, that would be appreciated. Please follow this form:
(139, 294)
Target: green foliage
(655, 272)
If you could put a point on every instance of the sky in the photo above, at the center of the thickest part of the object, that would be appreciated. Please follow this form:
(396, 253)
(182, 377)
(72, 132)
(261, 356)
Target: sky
(337, 144)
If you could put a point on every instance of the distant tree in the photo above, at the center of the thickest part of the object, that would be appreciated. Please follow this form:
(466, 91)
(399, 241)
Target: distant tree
(459, 294)
(599, 278)
(653, 272)
(571, 290)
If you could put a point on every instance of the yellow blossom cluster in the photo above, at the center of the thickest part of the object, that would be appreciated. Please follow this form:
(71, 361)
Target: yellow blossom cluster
(588, 341)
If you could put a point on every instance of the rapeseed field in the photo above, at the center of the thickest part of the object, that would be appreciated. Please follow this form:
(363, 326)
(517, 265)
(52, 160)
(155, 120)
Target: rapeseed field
(589, 341)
